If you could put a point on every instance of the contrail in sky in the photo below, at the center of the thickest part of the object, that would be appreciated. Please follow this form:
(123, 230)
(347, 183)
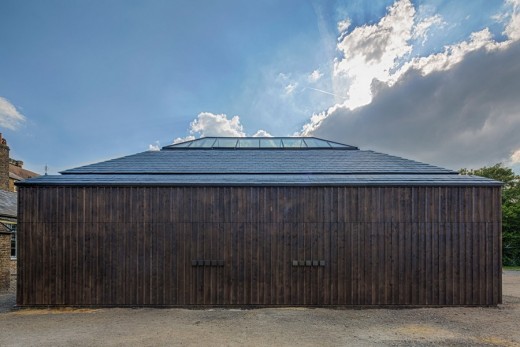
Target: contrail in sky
(325, 92)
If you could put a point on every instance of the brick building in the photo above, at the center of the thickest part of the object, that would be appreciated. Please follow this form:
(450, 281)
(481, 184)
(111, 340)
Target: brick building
(7, 217)
(8, 201)
(11, 171)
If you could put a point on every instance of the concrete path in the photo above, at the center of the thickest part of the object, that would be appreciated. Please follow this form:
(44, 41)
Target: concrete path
(511, 283)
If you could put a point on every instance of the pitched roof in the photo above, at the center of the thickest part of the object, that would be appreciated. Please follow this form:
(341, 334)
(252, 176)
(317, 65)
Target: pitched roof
(258, 161)
(8, 204)
(250, 161)
(20, 172)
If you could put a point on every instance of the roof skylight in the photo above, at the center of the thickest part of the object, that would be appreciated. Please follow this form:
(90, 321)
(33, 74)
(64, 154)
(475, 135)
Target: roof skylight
(259, 143)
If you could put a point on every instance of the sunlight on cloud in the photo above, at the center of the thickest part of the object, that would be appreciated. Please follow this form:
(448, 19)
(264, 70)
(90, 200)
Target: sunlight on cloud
(466, 116)
(371, 51)
(10, 117)
(379, 54)
(451, 55)
(512, 29)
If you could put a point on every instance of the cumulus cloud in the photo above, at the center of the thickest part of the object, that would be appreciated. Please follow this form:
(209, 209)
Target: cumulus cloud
(154, 146)
(371, 52)
(512, 29)
(381, 52)
(452, 54)
(455, 108)
(209, 124)
(467, 116)
(262, 133)
(10, 117)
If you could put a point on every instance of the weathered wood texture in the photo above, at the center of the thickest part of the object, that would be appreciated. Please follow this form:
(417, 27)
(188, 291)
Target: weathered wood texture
(380, 246)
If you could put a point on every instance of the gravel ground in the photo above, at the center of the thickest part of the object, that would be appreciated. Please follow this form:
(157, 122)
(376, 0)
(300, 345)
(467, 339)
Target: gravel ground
(496, 326)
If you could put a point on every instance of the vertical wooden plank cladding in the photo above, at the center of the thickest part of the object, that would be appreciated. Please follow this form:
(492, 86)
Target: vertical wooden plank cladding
(332, 264)
(401, 245)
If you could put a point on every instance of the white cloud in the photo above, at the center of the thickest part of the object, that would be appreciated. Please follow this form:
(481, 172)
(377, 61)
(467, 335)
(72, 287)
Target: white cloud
(512, 29)
(315, 76)
(371, 52)
(154, 146)
(451, 55)
(209, 124)
(184, 139)
(344, 25)
(262, 133)
(10, 117)
(289, 89)
(421, 29)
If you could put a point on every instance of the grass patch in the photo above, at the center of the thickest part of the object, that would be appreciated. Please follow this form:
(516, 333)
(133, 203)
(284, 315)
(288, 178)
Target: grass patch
(514, 268)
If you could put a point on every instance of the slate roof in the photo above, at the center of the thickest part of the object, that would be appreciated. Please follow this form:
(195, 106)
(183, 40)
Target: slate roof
(258, 162)
(8, 204)
(322, 163)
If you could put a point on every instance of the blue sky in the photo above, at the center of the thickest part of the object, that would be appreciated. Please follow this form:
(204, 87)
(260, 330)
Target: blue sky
(84, 81)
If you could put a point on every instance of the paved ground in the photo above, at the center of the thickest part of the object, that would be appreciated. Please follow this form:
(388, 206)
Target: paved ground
(281, 327)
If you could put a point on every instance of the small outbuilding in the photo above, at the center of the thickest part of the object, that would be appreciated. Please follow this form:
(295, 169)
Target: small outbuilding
(259, 222)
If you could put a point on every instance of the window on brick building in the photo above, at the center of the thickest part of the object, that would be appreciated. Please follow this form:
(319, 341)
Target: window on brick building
(12, 227)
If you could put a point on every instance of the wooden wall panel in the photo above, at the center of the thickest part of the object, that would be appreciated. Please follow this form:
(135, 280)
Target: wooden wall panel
(134, 246)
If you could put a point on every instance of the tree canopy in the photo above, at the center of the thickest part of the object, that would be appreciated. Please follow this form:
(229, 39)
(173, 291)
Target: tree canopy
(510, 209)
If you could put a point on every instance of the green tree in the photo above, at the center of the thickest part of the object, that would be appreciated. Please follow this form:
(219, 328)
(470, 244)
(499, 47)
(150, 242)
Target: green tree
(510, 209)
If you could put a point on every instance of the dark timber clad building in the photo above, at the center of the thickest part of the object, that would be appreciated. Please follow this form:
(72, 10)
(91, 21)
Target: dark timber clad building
(259, 221)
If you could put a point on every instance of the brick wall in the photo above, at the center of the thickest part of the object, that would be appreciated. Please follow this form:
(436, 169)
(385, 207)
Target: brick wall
(5, 239)
(12, 267)
(4, 164)
(12, 288)
(5, 261)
